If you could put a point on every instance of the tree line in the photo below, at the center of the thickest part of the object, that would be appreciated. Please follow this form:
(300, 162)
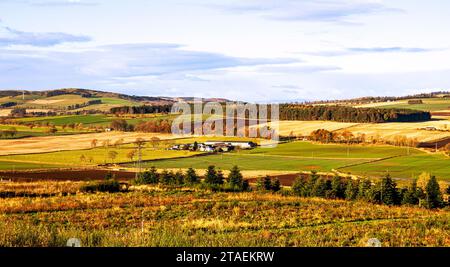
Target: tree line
(347, 137)
(350, 114)
(370, 99)
(86, 104)
(384, 191)
(424, 192)
(213, 179)
(146, 109)
(8, 104)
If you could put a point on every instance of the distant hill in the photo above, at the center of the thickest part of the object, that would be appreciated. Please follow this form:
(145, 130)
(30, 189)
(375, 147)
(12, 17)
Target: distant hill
(375, 99)
(89, 93)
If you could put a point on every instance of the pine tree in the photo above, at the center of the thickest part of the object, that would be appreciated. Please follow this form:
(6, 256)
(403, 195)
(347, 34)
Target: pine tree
(149, 177)
(389, 191)
(235, 178)
(260, 184)
(351, 191)
(211, 175)
(276, 185)
(320, 188)
(374, 194)
(433, 198)
(191, 177)
(363, 189)
(219, 178)
(312, 181)
(179, 178)
(245, 185)
(300, 187)
(411, 195)
(267, 183)
(166, 177)
(337, 188)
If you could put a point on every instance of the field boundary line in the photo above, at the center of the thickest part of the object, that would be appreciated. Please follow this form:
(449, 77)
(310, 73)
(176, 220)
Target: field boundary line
(301, 157)
(368, 162)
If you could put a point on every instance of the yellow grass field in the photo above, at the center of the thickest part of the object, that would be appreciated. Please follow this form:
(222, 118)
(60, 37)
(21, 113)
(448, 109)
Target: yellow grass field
(306, 127)
(72, 142)
(246, 173)
(380, 104)
(386, 131)
(5, 112)
(46, 101)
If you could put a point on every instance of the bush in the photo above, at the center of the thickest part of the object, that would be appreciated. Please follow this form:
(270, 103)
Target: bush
(148, 177)
(276, 185)
(300, 187)
(191, 177)
(267, 184)
(109, 186)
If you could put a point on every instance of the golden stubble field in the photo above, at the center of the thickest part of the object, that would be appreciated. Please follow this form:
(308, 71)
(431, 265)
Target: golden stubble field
(387, 131)
(70, 142)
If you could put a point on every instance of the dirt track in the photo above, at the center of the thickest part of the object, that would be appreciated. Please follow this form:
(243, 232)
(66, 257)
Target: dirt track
(69, 142)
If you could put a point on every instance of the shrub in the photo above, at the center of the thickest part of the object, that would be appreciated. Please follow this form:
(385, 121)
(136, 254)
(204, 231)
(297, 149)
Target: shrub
(276, 185)
(148, 177)
(109, 186)
(191, 177)
(300, 187)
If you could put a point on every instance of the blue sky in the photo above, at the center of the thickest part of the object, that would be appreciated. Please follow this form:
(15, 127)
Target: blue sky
(254, 50)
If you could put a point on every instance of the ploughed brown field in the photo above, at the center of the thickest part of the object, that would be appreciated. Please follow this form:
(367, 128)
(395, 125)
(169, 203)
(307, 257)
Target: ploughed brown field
(100, 174)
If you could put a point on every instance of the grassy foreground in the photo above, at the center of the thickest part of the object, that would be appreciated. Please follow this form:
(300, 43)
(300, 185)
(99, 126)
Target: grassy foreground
(48, 214)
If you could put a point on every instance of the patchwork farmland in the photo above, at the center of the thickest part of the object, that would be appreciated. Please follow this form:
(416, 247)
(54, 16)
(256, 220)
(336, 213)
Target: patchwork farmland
(118, 172)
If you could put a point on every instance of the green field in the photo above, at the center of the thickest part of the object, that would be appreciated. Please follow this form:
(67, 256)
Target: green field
(372, 161)
(90, 120)
(68, 119)
(429, 104)
(55, 102)
(11, 166)
(296, 156)
(117, 101)
(308, 149)
(406, 167)
(108, 103)
(25, 131)
(249, 162)
(63, 101)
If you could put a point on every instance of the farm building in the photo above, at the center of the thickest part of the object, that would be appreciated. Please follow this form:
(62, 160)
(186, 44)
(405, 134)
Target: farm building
(215, 146)
(239, 144)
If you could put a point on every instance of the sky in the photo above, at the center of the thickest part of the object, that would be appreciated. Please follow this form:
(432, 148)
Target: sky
(250, 50)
